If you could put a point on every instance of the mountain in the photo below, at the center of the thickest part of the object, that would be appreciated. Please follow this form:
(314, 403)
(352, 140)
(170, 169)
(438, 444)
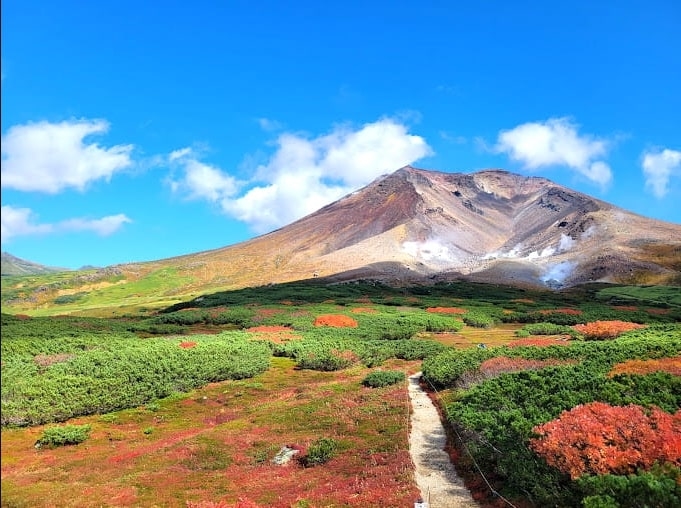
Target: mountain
(12, 265)
(416, 225)
(412, 226)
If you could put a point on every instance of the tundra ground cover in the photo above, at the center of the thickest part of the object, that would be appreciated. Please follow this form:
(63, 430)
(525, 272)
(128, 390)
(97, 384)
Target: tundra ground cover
(201, 431)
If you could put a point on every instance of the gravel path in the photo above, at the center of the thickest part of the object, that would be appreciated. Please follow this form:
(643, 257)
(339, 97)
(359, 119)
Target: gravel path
(440, 486)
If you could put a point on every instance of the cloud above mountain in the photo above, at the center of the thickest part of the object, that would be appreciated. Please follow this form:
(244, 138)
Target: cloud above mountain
(304, 173)
(659, 166)
(556, 142)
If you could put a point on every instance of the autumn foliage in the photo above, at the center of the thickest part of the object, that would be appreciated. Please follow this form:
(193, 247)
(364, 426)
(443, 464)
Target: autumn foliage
(500, 364)
(187, 344)
(537, 342)
(598, 438)
(446, 310)
(606, 329)
(336, 321)
(671, 365)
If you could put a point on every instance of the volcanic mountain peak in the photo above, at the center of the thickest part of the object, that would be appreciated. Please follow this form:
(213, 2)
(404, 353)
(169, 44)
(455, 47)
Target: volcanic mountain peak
(417, 225)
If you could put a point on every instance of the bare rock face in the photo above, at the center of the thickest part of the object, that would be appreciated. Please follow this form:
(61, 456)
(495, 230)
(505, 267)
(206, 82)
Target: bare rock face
(416, 225)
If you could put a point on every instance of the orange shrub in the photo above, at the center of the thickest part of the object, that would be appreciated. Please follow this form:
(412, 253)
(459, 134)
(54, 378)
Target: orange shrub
(187, 344)
(336, 321)
(447, 310)
(606, 329)
(642, 367)
(598, 438)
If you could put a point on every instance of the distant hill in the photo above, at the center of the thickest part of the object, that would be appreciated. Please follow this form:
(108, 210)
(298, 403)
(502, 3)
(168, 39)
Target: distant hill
(12, 265)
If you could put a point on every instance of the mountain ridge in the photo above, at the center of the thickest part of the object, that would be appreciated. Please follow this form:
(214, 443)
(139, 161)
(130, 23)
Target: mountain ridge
(419, 226)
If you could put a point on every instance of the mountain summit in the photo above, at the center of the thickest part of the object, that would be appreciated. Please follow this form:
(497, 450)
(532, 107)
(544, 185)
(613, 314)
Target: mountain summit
(416, 225)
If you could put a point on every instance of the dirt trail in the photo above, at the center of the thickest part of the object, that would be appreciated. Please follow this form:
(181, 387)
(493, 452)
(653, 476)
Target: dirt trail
(436, 477)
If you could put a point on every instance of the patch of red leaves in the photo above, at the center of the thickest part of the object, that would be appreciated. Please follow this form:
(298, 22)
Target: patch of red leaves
(336, 321)
(269, 328)
(537, 342)
(446, 310)
(654, 310)
(501, 364)
(643, 367)
(187, 344)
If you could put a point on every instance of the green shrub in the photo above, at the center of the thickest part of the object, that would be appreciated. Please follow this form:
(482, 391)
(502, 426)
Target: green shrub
(320, 451)
(64, 435)
(380, 378)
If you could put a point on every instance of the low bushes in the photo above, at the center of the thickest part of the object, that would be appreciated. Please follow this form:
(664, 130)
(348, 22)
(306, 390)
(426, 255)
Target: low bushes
(380, 378)
(64, 435)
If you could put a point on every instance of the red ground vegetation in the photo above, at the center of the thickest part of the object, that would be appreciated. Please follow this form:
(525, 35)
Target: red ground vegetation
(364, 310)
(500, 364)
(446, 310)
(629, 308)
(538, 342)
(187, 344)
(336, 321)
(563, 310)
(606, 329)
(655, 310)
(597, 438)
(671, 365)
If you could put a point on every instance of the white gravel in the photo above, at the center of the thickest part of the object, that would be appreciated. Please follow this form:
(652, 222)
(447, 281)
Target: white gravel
(436, 477)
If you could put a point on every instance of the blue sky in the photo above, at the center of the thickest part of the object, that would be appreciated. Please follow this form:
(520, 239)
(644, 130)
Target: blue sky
(137, 131)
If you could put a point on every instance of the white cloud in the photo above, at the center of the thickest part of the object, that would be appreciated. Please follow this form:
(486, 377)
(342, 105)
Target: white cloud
(658, 167)
(19, 222)
(105, 226)
(22, 222)
(304, 173)
(556, 142)
(267, 124)
(200, 180)
(49, 157)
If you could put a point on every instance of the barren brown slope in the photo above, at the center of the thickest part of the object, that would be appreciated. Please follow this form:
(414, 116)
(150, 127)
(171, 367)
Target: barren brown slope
(417, 224)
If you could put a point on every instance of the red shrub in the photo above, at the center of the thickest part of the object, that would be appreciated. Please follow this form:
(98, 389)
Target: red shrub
(187, 344)
(629, 308)
(642, 367)
(606, 329)
(597, 438)
(336, 321)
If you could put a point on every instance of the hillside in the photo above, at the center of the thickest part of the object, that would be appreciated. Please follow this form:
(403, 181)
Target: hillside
(12, 265)
(412, 226)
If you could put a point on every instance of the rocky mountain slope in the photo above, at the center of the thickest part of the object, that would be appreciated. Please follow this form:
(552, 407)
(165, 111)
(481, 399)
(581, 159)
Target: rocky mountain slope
(416, 225)
(412, 226)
